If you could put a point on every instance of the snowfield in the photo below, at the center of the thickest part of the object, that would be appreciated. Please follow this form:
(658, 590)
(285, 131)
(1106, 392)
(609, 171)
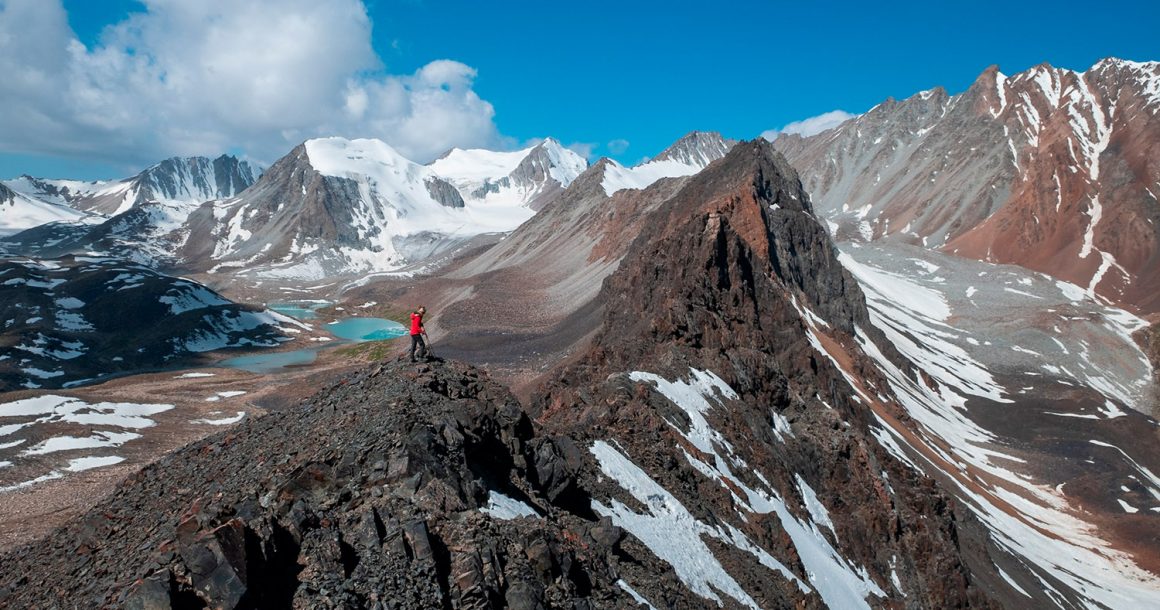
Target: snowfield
(112, 424)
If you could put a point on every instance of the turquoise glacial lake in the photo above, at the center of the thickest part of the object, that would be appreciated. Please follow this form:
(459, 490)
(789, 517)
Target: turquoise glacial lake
(348, 330)
(366, 329)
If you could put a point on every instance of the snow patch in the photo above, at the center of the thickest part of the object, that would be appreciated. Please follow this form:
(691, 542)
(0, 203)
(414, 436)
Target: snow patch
(506, 508)
(619, 178)
(225, 421)
(89, 463)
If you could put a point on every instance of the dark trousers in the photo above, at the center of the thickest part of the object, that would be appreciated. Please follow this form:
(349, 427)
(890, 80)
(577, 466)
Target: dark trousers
(417, 341)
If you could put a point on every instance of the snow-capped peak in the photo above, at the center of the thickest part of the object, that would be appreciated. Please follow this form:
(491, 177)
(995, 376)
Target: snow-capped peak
(697, 148)
(565, 163)
(685, 157)
(370, 157)
(18, 211)
(521, 176)
(478, 164)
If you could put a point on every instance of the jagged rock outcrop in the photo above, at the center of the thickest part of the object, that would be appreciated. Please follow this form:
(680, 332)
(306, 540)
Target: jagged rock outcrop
(549, 270)
(717, 284)
(195, 179)
(443, 192)
(384, 491)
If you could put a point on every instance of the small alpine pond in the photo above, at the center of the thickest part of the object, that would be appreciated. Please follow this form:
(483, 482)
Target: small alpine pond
(348, 330)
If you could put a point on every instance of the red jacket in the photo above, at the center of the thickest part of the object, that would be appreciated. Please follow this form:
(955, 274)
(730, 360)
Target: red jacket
(416, 323)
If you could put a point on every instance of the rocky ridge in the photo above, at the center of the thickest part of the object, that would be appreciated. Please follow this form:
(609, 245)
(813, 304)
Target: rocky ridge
(742, 261)
(185, 180)
(549, 270)
(397, 488)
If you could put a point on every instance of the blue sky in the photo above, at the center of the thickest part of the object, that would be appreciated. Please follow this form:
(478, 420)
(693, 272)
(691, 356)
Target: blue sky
(588, 74)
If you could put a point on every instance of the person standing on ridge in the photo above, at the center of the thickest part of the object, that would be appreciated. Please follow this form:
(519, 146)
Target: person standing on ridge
(418, 333)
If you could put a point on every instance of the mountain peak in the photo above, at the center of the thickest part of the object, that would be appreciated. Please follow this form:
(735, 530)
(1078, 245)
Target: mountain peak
(550, 142)
(697, 148)
(1116, 62)
(341, 157)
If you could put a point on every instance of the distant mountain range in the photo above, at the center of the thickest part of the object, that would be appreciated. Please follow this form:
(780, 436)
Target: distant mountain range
(339, 207)
(1050, 169)
(330, 207)
(176, 182)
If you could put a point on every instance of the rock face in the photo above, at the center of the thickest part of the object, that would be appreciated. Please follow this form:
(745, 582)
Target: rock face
(443, 192)
(71, 320)
(1051, 169)
(7, 196)
(710, 299)
(396, 488)
(195, 179)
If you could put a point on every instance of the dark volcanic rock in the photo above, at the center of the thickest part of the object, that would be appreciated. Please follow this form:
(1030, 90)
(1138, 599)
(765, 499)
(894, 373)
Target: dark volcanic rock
(368, 496)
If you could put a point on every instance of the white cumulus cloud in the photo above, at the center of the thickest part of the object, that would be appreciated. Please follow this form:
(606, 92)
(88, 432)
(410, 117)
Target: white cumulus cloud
(811, 126)
(618, 146)
(185, 77)
(584, 149)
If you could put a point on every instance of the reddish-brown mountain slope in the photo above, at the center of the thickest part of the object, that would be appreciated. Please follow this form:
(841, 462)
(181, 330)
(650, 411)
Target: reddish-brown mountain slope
(1052, 169)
